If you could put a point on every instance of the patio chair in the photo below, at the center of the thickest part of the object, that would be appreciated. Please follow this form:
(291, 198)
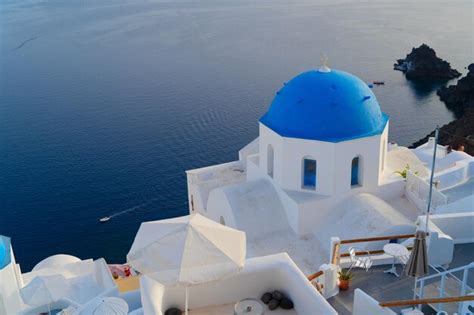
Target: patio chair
(364, 262)
(404, 260)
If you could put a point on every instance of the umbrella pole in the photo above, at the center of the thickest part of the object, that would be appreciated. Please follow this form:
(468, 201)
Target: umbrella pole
(431, 177)
(429, 197)
(186, 301)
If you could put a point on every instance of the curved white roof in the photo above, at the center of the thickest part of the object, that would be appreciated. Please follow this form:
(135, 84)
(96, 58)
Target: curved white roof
(56, 261)
(255, 204)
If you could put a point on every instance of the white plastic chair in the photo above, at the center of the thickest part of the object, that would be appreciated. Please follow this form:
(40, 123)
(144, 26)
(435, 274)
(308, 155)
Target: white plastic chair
(404, 260)
(364, 262)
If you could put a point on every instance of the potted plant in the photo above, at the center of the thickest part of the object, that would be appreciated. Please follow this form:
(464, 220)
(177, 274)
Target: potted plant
(403, 173)
(345, 277)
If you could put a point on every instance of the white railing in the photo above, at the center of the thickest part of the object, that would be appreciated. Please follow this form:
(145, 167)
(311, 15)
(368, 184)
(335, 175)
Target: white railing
(417, 191)
(420, 283)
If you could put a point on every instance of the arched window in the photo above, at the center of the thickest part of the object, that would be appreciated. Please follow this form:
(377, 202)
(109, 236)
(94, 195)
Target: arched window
(270, 160)
(309, 173)
(221, 220)
(355, 171)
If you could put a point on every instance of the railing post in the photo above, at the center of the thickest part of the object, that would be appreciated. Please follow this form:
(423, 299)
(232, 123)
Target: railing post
(334, 250)
(441, 291)
(329, 280)
(464, 284)
(464, 281)
(422, 289)
(414, 290)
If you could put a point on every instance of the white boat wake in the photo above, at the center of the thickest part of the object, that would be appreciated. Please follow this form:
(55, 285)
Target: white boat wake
(107, 218)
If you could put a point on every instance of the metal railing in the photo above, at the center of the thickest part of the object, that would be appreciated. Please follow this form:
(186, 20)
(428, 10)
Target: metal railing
(420, 283)
(336, 255)
(451, 299)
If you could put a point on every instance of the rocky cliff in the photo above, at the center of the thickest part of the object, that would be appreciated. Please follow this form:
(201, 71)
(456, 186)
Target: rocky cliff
(459, 131)
(460, 96)
(460, 99)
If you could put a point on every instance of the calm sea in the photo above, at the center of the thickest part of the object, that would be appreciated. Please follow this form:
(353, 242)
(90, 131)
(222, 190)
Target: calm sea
(105, 104)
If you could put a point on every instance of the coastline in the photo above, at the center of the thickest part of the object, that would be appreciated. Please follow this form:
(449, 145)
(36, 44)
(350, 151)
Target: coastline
(460, 130)
(459, 99)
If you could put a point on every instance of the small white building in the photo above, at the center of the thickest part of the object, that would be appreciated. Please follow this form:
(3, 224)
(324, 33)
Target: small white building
(321, 166)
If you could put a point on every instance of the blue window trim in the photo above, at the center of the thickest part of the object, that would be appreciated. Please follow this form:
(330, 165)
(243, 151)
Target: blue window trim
(355, 171)
(310, 173)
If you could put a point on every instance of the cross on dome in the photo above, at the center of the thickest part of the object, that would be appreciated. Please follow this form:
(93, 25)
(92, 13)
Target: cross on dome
(324, 64)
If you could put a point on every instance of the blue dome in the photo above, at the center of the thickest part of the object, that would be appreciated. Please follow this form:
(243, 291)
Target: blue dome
(5, 258)
(328, 106)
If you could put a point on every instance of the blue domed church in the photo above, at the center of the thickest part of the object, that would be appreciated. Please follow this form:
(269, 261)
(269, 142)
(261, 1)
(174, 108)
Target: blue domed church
(319, 168)
(321, 131)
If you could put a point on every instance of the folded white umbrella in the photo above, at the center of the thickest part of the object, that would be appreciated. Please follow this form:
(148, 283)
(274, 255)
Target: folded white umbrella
(44, 290)
(187, 250)
(106, 306)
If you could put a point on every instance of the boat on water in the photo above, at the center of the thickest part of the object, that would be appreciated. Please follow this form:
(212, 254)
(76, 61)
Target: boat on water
(104, 219)
(379, 82)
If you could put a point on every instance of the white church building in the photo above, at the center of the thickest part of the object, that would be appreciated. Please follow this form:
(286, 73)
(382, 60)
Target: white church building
(321, 166)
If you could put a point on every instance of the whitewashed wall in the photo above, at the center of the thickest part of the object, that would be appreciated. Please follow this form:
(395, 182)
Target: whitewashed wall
(253, 168)
(462, 205)
(10, 284)
(460, 172)
(440, 245)
(269, 137)
(260, 274)
(333, 161)
(250, 149)
(218, 206)
(201, 181)
(364, 304)
(459, 226)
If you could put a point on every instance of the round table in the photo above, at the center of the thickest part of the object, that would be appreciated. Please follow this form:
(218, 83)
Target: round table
(249, 307)
(394, 250)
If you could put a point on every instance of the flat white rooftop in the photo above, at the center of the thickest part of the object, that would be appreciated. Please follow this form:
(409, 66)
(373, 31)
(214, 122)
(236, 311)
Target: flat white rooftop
(306, 251)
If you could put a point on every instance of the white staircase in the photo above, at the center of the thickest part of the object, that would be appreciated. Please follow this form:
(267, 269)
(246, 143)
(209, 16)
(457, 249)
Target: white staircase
(445, 283)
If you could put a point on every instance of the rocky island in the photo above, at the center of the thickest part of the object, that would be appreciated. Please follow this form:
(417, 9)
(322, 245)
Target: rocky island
(423, 64)
(460, 99)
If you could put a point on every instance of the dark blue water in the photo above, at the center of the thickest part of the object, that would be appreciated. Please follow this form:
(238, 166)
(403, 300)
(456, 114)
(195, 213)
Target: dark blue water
(105, 104)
